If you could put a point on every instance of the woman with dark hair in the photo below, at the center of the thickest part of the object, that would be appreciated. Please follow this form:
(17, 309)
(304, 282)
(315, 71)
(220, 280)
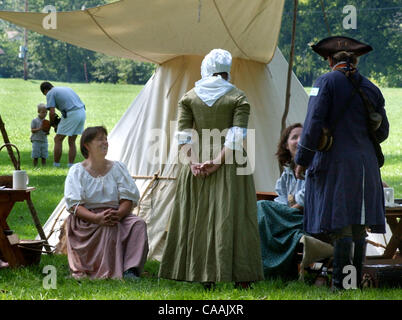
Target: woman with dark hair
(104, 240)
(280, 221)
(288, 187)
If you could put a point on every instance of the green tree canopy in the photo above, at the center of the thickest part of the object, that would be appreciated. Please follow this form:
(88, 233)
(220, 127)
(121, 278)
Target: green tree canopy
(379, 23)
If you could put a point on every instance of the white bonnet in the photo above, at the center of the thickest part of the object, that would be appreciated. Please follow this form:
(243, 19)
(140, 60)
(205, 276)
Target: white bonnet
(218, 60)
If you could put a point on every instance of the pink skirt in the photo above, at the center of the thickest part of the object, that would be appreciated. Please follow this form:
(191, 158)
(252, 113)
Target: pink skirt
(96, 251)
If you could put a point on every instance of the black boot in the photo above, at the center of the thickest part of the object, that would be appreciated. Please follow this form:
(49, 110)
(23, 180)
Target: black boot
(342, 258)
(358, 259)
(208, 285)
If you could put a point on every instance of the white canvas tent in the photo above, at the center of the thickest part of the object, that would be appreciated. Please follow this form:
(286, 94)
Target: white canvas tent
(156, 107)
(176, 34)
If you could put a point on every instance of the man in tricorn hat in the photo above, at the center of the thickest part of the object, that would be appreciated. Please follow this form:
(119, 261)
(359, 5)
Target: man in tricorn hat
(344, 194)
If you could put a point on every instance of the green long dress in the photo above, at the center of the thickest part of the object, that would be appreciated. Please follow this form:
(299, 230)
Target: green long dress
(213, 234)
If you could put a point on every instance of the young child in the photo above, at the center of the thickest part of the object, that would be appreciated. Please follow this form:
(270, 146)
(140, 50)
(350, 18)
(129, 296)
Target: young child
(39, 137)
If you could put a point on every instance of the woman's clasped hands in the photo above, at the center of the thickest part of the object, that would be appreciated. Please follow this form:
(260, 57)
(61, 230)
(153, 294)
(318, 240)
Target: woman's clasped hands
(204, 169)
(108, 217)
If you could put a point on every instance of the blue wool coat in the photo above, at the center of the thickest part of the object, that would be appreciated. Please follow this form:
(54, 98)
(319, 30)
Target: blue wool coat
(343, 186)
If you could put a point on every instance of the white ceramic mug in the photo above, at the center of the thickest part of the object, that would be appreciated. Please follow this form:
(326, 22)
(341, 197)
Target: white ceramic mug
(389, 196)
(20, 179)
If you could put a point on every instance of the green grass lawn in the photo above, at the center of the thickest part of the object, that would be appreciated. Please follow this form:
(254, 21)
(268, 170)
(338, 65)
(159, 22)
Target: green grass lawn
(105, 104)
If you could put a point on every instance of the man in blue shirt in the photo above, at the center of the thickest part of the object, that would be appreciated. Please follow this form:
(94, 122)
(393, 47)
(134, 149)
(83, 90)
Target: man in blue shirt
(72, 122)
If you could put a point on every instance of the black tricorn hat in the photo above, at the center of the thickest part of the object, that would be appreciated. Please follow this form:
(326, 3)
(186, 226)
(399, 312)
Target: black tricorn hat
(328, 46)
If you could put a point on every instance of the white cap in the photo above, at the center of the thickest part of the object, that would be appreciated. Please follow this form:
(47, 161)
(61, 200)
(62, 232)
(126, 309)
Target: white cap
(218, 60)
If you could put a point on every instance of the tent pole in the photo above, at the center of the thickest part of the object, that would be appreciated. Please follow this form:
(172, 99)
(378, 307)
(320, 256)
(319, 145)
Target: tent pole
(325, 17)
(26, 46)
(152, 177)
(290, 67)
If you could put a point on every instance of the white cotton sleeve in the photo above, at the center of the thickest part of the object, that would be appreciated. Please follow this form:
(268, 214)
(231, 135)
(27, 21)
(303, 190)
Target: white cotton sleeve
(234, 138)
(281, 190)
(184, 137)
(50, 99)
(73, 187)
(299, 197)
(126, 186)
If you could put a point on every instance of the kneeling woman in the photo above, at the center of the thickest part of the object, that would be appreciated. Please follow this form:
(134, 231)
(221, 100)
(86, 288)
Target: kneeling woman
(104, 240)
(280, 221)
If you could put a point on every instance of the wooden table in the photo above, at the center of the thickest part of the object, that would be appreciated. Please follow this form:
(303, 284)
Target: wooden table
(393, 214)
(8, 197)
(261, 195)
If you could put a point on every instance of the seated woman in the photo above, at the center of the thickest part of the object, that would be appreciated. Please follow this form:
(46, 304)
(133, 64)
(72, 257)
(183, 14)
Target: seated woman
(104, 240)
(280, 221)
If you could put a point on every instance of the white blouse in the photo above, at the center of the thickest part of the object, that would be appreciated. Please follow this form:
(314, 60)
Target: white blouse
(104, 191)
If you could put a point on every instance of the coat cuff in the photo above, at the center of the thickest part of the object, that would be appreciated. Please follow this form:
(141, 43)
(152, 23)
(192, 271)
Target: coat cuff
(304, 156)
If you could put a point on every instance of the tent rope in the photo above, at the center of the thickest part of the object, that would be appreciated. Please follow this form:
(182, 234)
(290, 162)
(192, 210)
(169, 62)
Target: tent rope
(151, 185)
(228, 31)
(179, 76)
(115, 41)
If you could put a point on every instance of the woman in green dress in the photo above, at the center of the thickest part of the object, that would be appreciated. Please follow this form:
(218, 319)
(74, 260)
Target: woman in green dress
(213, 234)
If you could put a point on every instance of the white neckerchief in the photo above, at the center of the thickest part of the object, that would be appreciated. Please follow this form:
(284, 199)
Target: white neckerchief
(210, 89)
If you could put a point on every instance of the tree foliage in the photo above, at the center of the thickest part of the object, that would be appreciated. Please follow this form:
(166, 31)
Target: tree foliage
(10, 64)
(379, 23)
(56, 60)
